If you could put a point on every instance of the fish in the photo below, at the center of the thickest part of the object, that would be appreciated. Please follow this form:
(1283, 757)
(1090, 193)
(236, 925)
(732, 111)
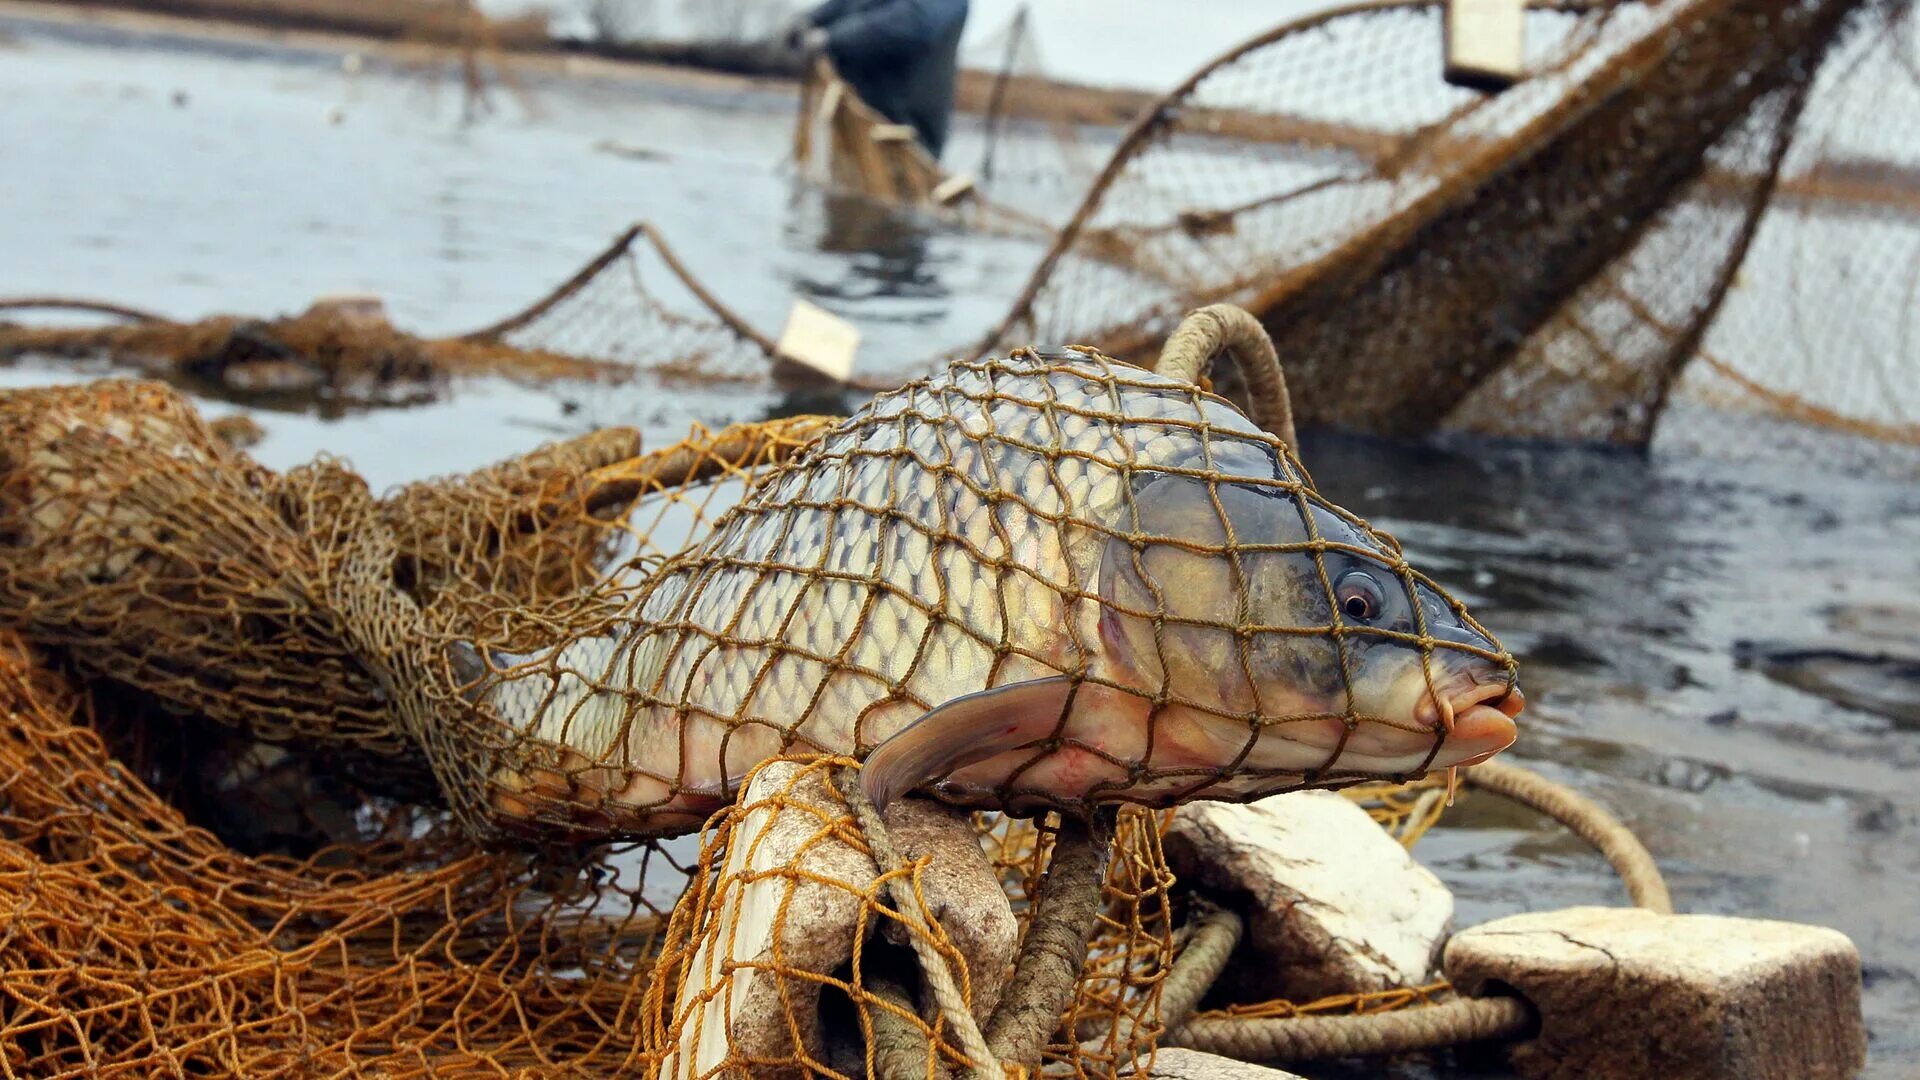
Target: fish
(1040, 581)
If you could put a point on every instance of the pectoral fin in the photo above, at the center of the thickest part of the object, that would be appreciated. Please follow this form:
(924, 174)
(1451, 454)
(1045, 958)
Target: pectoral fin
(962, 732)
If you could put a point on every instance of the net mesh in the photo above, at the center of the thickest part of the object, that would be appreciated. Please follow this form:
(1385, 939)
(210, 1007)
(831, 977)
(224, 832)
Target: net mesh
(636, 304)
(142, 943)
(1123, 559)
(1542, 262)
(632, 308)
(276, 654)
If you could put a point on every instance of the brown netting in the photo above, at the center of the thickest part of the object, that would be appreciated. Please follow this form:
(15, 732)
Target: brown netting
(1544, 261)
(841, 140)
(326, 636)
(1816, 348)
(338, 355)
(1095, 538)
(636, 304)
(140, 944)
(1129, 560)
(634, 307)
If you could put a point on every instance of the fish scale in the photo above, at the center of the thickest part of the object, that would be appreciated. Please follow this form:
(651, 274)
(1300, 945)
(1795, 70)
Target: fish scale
(944, 541)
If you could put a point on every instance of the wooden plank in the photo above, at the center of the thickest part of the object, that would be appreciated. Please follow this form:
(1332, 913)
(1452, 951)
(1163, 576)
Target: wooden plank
(819, 341)
(1486, 43)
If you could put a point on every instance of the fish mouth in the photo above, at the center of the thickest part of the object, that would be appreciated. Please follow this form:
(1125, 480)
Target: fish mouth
(1479, 721)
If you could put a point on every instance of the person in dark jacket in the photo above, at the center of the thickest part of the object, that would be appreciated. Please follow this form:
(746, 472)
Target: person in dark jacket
(900, 56)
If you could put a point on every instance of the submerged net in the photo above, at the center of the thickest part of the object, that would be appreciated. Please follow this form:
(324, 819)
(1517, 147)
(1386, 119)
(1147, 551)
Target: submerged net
(632, 308)
(1729, 232)
(335, 355)
(1544, 261)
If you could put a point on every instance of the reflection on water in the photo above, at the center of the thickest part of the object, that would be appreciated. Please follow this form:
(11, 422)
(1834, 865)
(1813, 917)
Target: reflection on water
(1772, 778)
(887, 248)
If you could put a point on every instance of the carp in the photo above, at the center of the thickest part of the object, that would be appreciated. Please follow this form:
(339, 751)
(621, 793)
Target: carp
(1040, 581)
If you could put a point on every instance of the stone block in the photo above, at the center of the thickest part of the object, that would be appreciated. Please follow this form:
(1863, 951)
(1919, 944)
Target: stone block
(1175, 1064)
(1623, 992)
(1333, 904)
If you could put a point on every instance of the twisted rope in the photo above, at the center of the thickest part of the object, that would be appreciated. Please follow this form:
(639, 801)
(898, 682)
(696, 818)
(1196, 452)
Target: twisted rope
(1204, 333)
(933, 966)
(1313, 1038)
(1055, 947)
(1586, 819)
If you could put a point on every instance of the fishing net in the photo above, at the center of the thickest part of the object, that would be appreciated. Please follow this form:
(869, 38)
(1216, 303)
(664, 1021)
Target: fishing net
(637, 304)
(1816, 347)
(142, 943)
(1042, 140)
(842, 143)
(284, 646)
(1540, 262)
(632, 308)
(336, 356)
(841, 140)
(1127, 558)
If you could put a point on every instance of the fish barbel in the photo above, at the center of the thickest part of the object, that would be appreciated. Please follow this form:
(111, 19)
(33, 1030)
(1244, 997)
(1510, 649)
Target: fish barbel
(1039, 581)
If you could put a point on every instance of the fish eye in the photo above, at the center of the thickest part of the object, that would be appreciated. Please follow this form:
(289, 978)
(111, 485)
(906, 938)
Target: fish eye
(1358, 596)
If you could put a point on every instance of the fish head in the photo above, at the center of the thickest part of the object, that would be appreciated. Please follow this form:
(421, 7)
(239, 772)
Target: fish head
(1283, 641)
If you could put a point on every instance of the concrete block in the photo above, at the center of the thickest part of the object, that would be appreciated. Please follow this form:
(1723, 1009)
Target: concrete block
(784, 856)
(1333, 904)
(1631, 993)
(1193, 1065)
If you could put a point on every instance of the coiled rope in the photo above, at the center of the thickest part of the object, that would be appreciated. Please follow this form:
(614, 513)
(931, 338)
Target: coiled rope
(1314, 1038)
(1586, 819)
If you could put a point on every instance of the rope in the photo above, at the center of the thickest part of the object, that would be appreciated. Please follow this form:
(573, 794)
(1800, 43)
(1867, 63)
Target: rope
(933, 966)
(1055, 947)
(1204, 333)
(1586, 819)
(97, 307)
(898, 1047)
(1315, 1038)
(1214, 938)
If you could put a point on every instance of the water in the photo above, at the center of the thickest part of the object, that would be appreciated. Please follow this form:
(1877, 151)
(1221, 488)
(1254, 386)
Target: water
(1725, 654)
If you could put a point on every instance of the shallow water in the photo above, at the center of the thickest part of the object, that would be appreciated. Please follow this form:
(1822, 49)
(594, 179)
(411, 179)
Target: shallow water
(1725, 654)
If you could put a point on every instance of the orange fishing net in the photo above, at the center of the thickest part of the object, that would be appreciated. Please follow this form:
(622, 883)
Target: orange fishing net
(278, 656)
